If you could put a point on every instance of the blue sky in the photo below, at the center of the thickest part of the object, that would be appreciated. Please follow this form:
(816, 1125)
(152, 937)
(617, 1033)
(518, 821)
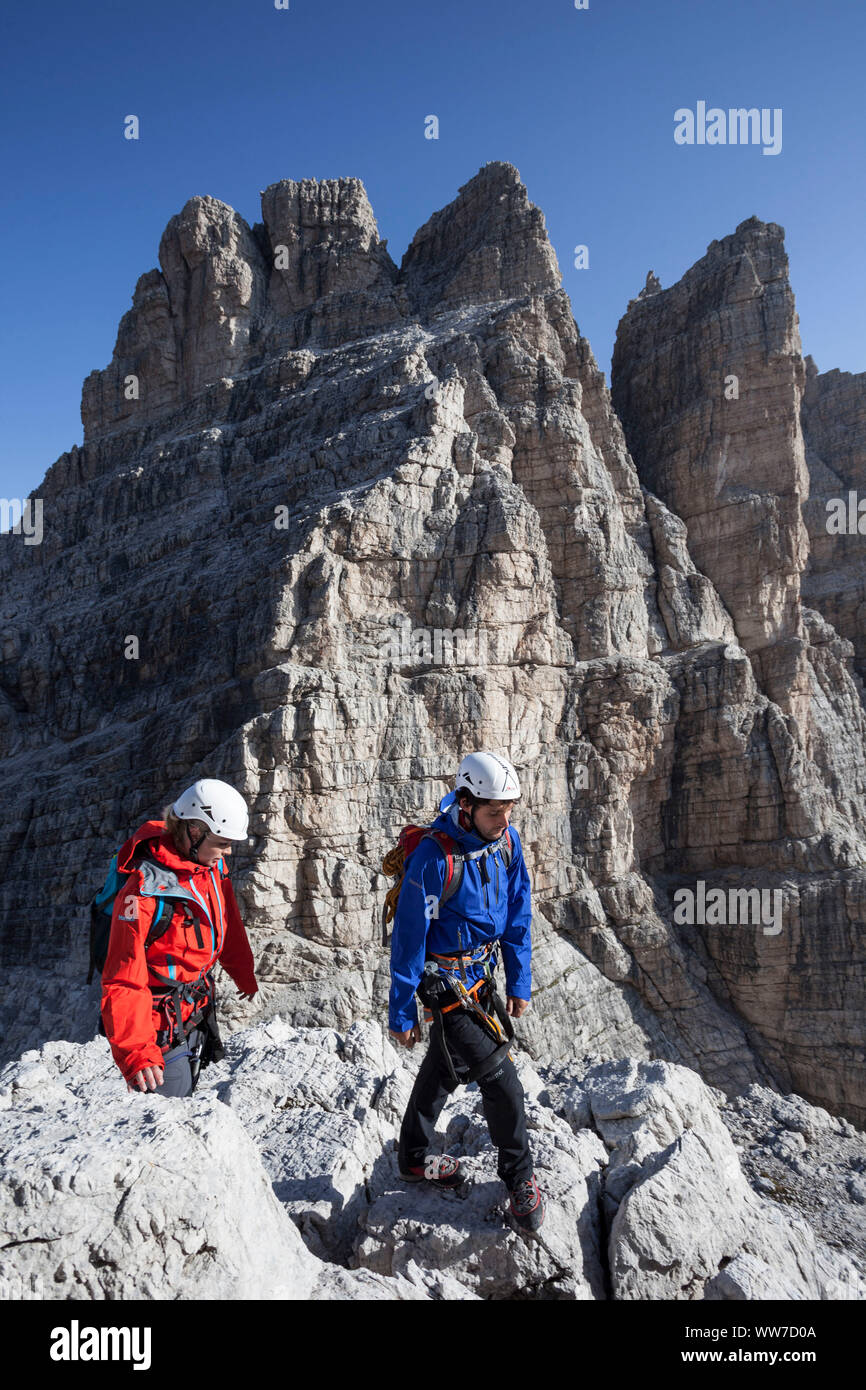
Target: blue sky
(233, 95)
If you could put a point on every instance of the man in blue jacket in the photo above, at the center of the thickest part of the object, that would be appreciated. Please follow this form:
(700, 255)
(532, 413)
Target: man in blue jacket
(448, 946)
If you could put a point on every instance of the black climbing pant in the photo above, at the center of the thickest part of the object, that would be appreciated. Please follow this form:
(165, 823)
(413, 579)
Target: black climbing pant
(501, 1098)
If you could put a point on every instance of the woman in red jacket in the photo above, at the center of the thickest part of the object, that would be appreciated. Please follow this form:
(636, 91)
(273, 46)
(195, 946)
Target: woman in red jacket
(174, 919)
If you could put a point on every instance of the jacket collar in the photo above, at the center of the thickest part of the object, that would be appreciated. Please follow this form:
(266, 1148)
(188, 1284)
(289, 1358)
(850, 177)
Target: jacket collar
(161, 847)
(452, 822)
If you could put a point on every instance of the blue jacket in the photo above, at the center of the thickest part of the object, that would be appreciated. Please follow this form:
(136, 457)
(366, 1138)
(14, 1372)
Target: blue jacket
(498, 910)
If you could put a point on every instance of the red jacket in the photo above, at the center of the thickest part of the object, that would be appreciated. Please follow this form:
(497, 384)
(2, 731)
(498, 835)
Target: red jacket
(129, 1012)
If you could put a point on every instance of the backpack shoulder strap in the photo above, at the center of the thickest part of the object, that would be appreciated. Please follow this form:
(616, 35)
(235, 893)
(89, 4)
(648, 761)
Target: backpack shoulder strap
(160, 924)
(453, 860)
(394, 864)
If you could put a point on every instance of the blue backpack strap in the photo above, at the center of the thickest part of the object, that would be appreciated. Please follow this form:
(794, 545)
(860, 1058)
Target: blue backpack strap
(153, 934)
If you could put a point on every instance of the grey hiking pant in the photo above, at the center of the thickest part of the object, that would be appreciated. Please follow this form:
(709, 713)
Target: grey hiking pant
(182, 1065)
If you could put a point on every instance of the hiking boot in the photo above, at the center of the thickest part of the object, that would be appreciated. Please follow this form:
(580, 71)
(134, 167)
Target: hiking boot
(527, 1206)
(439, 1169)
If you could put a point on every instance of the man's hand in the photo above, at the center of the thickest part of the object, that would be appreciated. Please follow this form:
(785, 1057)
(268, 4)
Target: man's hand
(516, 1007)
(409, 1038)
(146, 1080)
(241, 994)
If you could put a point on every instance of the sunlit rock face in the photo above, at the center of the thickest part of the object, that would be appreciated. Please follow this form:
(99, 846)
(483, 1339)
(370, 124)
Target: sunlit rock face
(336, 523)
(654, 1187)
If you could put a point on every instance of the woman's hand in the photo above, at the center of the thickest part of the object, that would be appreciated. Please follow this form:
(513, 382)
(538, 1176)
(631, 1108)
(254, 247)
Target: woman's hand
(146, 1080)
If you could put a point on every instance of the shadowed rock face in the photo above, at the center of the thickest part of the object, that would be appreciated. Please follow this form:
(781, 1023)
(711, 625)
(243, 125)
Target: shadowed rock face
(834, 426)
(324, 446)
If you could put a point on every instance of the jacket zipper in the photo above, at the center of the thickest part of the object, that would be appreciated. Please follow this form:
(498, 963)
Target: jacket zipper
(221, 932)
(200, 899)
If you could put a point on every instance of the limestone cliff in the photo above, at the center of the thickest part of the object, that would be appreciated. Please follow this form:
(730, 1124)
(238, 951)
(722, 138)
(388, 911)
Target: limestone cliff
(834, 428)
(297, 447)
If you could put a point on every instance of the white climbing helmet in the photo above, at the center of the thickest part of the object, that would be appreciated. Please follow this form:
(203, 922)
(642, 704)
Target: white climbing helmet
(488, 776)
(217, 804)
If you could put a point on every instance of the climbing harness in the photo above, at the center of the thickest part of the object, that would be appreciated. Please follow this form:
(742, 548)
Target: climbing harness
(169, 995)
(444, 975)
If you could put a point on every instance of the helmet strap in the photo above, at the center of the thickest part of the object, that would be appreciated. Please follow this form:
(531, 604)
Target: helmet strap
(468, 821)
(195, 845)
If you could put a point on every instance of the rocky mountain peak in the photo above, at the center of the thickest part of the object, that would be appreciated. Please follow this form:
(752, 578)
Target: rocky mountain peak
(490, 243)
(331, 242)
(707, 379)
(306, 475)
(228, 297)
(653, 285)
